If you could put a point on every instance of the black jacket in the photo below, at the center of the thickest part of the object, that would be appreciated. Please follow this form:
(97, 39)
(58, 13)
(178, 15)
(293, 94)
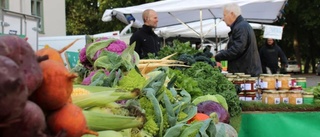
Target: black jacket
(269, 55)
(242, 51)
(146, 41)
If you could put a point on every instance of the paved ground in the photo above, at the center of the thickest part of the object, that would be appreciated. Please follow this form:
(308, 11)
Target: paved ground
(312, 79)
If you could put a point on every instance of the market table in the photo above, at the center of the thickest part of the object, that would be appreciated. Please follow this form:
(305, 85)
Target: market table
(280, 124)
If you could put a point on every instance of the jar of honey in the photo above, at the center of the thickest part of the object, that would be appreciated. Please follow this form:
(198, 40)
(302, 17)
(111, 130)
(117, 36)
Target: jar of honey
(239, 82)
(283, 96)
(283, 82)
(270, 97)
(268, 82)
(295, 97)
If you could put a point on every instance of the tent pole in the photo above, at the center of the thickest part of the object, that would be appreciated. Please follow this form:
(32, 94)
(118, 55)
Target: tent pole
(185, 24)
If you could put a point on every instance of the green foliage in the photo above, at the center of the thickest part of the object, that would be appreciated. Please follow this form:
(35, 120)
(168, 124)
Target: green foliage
(84, 16)
(177, 47)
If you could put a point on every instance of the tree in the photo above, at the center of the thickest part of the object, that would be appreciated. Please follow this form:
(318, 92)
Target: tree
(84, 16)
(301, 23)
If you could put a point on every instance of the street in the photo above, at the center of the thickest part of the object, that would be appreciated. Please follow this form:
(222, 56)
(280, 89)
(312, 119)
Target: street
(312, 79)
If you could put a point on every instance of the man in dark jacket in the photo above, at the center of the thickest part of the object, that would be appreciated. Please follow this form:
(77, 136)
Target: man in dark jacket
(242, 52)
(269, 55)
(145, 38)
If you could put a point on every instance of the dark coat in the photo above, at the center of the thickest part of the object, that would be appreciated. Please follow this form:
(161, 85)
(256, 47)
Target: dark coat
(242, 51)
(146, 41)
(269, 56)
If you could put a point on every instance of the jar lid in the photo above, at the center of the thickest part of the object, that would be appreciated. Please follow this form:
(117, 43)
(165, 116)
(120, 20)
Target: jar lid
(286, 75)
(283, 91)
(295, 91)
(301, 78)
(238, 74)
(244, 76)
(231, 76)
(270, 91)
(307, 93)
(238, 79)
(278, 75)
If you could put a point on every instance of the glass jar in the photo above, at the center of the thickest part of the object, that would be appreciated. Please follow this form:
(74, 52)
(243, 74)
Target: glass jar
(308, 97)
(268, 82)
(283, 82)
(270, 97)
(301, 81)
(249, 85)
(295, 97)
(247, 96)
(284, 96)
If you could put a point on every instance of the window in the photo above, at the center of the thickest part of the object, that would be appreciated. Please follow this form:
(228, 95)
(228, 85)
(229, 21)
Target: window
(4, 4)
(37, 10)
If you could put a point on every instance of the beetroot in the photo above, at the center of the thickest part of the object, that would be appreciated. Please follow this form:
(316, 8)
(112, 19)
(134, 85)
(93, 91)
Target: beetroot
(32, 123)
(21, 52)
(208, 107)
(13, 91)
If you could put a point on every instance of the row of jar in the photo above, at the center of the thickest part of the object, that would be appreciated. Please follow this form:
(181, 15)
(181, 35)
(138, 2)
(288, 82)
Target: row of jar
(294, 97)
(266, 82)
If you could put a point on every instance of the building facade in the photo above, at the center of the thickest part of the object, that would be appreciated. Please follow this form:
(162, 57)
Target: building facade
(50, 14)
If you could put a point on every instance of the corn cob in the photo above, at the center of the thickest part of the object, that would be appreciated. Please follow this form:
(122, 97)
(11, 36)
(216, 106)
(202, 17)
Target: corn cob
(79, 91)
(100, 121)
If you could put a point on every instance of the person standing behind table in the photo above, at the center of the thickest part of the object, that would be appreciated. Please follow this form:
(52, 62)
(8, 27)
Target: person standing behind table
(146, 40)
(269, 54)
(242, 52)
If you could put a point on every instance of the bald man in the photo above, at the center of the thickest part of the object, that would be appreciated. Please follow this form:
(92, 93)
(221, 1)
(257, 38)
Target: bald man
(242, 51)
(145, 38)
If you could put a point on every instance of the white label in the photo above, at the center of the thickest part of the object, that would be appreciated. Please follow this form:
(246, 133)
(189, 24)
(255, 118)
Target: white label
(279, 84)
(248, 98)
(285, 100)
(242, 86)
(264, 85)
(290, 83)
(266, 100)
(247, 86)
(242, 98)
(299, 101)
(277, 101)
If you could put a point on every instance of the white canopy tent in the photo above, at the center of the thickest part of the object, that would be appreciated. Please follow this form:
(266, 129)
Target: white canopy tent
(195, 15)
(173, 12)
(214, 28)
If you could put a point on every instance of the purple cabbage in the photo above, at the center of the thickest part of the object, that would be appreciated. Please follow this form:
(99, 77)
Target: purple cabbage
(208, 107)
(117, 47)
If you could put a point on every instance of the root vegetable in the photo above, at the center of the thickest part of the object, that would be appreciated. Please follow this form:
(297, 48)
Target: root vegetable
(13, 91)
(56, 87)
(69, 118)
(53, 53)
(21, 53)
(32, 123)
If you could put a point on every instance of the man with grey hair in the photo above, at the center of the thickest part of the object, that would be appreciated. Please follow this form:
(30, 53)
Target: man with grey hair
(242, 51)
(145, 38)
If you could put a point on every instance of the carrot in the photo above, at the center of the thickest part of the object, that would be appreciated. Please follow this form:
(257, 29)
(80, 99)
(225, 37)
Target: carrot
(56, 88)
(70, 119)
(199, 117)
(53, 53)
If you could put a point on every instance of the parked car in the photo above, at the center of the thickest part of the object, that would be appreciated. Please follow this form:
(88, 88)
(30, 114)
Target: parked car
(293, 67)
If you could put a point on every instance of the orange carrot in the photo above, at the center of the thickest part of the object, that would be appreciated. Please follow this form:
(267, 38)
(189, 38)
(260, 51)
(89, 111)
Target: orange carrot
(56, 88)
(69, 119)
(53, 53)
